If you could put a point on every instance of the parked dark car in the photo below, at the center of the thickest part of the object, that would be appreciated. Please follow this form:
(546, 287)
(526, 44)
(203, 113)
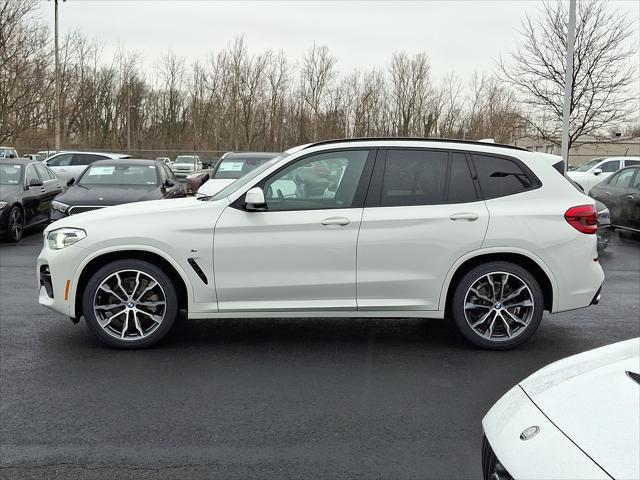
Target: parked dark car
(27, 188)
(232, 165)
(113, 182)
(621, 194)
(604, 226)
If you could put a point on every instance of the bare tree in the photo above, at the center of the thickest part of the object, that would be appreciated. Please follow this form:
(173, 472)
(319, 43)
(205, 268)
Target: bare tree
(410, 86)
(602, 71)
(24, 83)
(317, 75)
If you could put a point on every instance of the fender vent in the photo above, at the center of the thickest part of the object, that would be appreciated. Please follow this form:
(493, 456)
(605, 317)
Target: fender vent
(633, 376)
(198, 270)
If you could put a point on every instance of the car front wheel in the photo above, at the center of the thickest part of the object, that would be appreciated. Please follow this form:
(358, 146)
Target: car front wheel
(497, 305)
(15, 224)
(130, 304)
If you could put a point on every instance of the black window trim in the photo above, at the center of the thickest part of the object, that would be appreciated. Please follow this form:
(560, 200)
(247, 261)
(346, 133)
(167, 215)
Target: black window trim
(361, 190)
(374, 195)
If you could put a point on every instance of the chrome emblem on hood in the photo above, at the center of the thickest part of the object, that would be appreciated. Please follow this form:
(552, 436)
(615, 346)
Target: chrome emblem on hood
(529, 433)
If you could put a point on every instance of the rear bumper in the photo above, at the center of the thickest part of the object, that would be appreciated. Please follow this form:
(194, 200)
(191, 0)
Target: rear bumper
(577, 271)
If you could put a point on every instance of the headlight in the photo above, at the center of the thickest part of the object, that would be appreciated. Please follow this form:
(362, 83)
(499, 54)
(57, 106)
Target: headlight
(2, 205)
(604, 213)
(63, 237)
(59, 206)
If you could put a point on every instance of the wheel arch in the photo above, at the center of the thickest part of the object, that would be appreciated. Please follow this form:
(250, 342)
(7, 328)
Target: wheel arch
(98, 260)
(526, 260)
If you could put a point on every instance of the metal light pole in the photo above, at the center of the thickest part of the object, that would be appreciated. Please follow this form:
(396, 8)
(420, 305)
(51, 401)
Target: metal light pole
(57, 81)
(568, 84)
(129, 119)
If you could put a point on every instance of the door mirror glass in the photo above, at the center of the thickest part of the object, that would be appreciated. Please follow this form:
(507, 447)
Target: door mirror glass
(254, 199)
(35, 182)
(168, 183)
(597, 171)
(71, 181)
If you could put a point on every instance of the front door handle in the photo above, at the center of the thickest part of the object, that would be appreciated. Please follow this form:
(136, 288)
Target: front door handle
(472, 217)
(342, 221)
(631, 197)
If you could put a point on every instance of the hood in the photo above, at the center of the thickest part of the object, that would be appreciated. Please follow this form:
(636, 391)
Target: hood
(595, 403)
(107, 195)
(8, 193)
(214, 185)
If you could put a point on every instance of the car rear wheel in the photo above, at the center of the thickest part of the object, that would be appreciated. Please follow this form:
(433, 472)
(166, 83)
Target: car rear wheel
(130, 304)
(497, 305)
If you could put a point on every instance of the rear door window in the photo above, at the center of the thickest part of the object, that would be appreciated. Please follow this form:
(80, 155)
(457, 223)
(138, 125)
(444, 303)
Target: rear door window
(414, 177)
(612, 166)
(499, 177)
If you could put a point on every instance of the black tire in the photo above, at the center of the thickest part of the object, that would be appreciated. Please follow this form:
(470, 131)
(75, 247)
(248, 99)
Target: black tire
(170, 311)
(15, 225)
(524, 333)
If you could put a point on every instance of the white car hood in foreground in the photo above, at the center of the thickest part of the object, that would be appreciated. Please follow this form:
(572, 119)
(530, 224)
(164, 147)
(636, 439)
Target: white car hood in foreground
(596, 404)
(214, 185)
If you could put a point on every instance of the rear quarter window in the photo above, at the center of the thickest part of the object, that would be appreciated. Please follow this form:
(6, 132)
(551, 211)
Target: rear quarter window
(500, 177)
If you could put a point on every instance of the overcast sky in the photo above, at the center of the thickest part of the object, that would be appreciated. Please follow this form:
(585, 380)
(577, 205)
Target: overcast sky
(460, 36)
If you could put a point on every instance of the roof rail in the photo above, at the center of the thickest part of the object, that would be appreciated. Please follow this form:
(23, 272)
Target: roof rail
(423, 139)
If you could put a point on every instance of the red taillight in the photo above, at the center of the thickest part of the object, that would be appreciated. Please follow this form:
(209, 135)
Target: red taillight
(583, 218)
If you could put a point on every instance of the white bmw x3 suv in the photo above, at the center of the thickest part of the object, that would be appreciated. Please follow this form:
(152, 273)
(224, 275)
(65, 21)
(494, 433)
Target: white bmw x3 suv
(487, 235)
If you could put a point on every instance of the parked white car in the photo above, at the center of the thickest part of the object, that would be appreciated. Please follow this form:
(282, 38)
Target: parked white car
(8, 152)
(575, 419)
(185, 165)
(67, 165)
(599, 169)
(488, 235)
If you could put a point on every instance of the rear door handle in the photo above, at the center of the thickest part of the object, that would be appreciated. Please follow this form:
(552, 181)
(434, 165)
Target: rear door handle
(472, 217)
(631, 197)
(335, 221)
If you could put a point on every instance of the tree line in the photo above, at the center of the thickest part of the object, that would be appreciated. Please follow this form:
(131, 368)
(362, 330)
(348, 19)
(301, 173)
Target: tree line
(241, 99)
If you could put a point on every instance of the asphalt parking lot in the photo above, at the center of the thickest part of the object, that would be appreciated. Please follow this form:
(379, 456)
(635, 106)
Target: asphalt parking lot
(322, 398)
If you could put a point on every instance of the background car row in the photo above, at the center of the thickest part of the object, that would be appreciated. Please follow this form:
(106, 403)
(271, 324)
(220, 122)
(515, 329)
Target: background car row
(31, 195)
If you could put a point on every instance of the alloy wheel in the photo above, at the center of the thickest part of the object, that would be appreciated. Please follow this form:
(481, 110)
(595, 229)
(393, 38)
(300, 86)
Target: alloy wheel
(129, 305)
(498, 306)
(15, 224)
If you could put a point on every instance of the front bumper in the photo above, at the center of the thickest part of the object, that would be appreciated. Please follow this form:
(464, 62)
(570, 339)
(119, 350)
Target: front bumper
(56, 270)
(547, 455)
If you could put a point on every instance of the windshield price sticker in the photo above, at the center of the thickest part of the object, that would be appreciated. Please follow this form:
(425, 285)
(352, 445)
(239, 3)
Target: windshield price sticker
(231, 166)
(102, 171)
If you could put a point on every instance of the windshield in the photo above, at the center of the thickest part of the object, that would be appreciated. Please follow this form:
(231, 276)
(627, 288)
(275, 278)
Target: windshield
(238, 167)
(10, 174)
(225, 192)
(120, 175)
(585, 167)
(182, 159)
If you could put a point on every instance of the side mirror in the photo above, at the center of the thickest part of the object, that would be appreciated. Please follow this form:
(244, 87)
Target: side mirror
(254, 199)
(169, 184)
(71, 181)
(34, 182)
(597, 171)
